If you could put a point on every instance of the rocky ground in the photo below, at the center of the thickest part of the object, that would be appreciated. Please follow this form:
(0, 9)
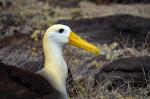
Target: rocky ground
(22, 25)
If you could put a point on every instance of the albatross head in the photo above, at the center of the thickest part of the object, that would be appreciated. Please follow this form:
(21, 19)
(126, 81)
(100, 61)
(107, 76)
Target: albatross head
(58, 34)
(55, 70)
(62, 34)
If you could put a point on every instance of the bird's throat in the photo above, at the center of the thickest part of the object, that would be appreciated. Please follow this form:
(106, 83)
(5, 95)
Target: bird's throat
(55, 70)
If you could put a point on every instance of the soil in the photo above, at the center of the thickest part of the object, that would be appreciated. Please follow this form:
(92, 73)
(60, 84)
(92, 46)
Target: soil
(23, 22)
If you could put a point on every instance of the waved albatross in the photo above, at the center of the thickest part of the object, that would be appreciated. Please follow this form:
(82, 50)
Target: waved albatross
(55, 71)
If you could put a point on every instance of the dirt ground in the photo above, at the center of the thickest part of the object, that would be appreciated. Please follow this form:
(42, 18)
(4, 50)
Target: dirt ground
(32, 17)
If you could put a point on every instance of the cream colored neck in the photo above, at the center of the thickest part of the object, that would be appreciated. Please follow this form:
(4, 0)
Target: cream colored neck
(55, 70)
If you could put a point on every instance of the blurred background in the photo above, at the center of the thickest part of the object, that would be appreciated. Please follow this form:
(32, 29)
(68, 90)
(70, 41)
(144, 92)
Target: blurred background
(120, 28)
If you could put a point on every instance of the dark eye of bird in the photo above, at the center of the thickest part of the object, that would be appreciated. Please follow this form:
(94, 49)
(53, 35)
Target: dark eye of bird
(61, 30)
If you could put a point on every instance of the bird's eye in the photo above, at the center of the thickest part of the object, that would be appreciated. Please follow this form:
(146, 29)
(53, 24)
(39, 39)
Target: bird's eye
(61, 30)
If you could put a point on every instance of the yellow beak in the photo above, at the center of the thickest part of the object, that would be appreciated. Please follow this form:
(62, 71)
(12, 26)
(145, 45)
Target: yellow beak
(75, 40)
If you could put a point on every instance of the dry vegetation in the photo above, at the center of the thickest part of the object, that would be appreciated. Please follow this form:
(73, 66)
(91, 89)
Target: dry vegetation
(34, 16)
